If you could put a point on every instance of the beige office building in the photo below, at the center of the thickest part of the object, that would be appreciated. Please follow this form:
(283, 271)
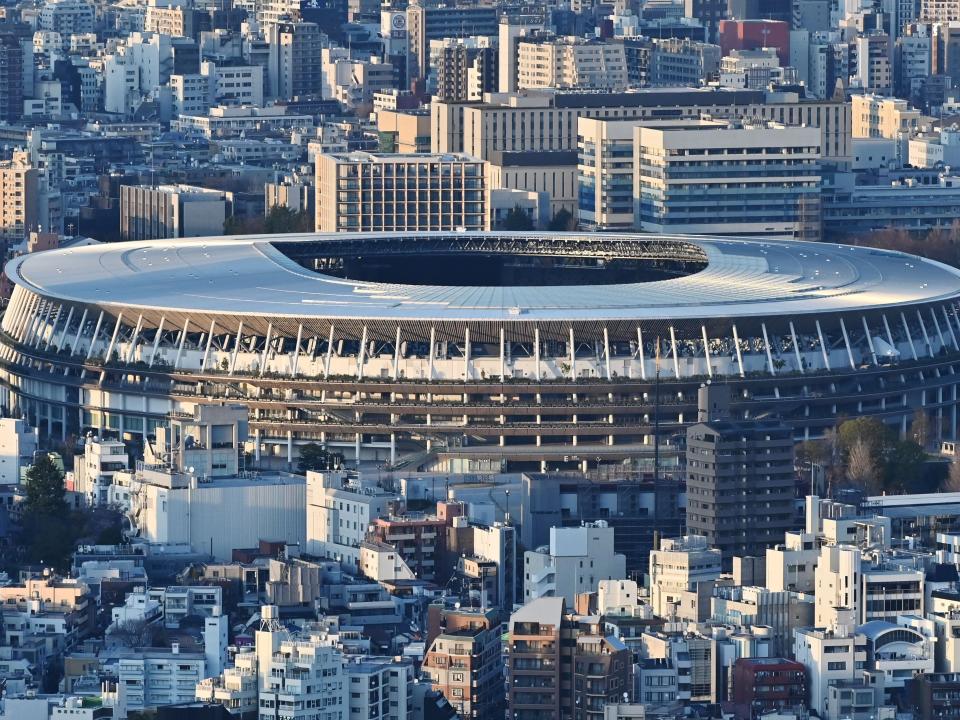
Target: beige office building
(364, 192)
(19, 191)
(544, 120)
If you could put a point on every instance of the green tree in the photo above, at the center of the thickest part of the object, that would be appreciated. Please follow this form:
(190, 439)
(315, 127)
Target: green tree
(45, 494)
(281, 219)
(48, 529)
(314, 456)
(903, 465)
(877, 437)
(516, 219)
(562, 221)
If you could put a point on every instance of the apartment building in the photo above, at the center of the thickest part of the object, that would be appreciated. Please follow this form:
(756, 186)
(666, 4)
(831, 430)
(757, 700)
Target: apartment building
(19, 197)
(576, 559)
(463, 659)
(339, 515)
(875, 116)
(299, 678)
(399, 193)
(93, 474)
(153, 677)
(698, 177)
(571, 63)
(740, 478)
(678, 567)
(563, 665)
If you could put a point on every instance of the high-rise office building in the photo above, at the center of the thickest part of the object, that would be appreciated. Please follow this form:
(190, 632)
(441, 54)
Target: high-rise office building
(740, 478)
(11, 76)
(171, 211)
(295, 66)
(426, 23)
(704, 176)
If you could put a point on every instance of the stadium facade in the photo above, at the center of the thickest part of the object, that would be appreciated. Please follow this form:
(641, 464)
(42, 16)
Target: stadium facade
(537, 350)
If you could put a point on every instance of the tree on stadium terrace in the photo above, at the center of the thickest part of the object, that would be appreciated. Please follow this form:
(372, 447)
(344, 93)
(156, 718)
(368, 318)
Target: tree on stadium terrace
(316, 457)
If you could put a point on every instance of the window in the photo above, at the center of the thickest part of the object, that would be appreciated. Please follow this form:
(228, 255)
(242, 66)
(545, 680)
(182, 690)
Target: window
(834, 666)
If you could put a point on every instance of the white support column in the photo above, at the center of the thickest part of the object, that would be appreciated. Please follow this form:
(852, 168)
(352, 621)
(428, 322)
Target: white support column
(113, 338)
(906, 329)
(41, 326)
(846, 341)
(926, 335)
(66, 327)
(15, 310)
(766, 345)
(886, 328)
(393, 448)
(573, 357)
(265, 355)
(936, 324)
(326, 366)
(26, 316)
(36, 314)
(706, 349)
(643, 359)
(606, 352)
(823, 347)
(736, 345)
(673, 351)
(362, 355)
(503, 355)
(236, 348)
(953, 314)
(289, 447)
(796, 348)
(866, 331)
(433, 350)
(396, 354)
(536, 352)
(183, 339)
(953, 334)
(132, 351)
(206, 348)
(53, 328)
(76, 339)
(466, 353)
(295, 360)
(156, 341)
(93, 338)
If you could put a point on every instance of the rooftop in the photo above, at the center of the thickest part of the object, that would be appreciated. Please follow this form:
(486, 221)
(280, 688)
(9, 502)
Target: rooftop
(255, 275)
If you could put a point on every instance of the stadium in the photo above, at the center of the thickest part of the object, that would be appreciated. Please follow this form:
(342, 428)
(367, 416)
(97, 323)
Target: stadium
(472, 351)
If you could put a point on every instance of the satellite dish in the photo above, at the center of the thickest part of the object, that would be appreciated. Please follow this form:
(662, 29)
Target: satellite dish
(190, 469)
